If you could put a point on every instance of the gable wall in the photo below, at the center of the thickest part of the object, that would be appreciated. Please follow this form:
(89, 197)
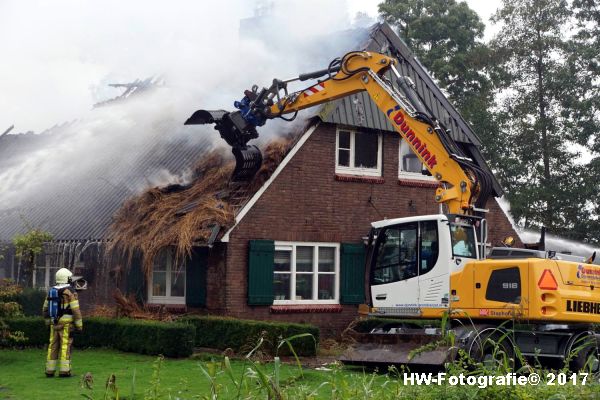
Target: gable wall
(306, 203)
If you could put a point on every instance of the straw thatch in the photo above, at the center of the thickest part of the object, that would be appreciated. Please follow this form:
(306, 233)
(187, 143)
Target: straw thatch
(182, 216)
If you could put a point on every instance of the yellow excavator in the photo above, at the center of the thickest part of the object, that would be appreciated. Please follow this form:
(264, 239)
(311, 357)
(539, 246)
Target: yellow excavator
(436, 267)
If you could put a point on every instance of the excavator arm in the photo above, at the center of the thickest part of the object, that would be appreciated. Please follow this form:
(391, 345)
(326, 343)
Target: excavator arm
(464, 186)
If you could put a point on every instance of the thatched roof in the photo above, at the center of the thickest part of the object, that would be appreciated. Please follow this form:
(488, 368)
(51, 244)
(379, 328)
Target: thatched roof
(184, 216)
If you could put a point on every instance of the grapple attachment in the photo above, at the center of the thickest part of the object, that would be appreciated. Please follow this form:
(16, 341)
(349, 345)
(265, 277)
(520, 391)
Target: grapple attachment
(247, 163)
(237, 132)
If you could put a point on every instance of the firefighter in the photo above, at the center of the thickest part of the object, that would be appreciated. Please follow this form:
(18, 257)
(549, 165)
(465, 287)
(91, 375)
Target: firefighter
(67, 319)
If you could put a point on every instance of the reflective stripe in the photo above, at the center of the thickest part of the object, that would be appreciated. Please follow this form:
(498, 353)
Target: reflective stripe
(50, 363)
(66, 318)
(49, 356)
(50, 366)
(65, 367)
(65, 363)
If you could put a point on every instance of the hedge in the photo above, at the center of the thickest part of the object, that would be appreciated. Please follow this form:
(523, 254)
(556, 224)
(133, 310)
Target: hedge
(243, 335)
(145, 337)
(31, 300)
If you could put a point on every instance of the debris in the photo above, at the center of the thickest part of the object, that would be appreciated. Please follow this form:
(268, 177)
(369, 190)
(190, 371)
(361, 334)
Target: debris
(182, 216)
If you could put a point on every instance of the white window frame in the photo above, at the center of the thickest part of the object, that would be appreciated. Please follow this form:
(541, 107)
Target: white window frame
(407, 174)
(49, 272)
(352, 169)
(48, 280)
(168, 299)
(292, 247)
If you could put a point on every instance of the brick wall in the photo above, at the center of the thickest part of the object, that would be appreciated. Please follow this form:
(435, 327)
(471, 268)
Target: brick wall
(307, 203)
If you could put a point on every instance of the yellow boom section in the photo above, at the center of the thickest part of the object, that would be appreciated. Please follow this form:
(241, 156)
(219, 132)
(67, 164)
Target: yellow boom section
(363, 71)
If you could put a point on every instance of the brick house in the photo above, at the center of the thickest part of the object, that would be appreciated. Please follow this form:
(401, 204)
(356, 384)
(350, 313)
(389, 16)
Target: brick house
(294, 249)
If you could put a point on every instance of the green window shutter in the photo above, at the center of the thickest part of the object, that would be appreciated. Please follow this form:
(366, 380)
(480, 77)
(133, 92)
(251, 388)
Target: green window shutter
(195, 278)
(352, 273)
(261, 257)
(136, 281)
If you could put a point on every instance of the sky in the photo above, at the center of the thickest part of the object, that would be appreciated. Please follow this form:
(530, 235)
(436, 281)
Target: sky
(58, 57)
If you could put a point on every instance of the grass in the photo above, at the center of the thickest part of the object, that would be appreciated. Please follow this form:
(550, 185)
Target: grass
(22, 375)
(214, 377)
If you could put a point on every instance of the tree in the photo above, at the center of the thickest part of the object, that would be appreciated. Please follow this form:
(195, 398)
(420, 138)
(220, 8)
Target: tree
(584, 97)
(537, 113)
(27, 247)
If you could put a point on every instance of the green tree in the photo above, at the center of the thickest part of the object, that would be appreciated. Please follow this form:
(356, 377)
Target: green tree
(584, 98)
(535, 157)
(27, 247)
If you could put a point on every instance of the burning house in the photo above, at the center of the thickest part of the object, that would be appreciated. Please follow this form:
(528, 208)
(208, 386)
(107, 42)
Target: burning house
(287, 245)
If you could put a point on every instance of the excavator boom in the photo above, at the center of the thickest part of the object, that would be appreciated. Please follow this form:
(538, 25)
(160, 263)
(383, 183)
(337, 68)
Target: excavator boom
(464, 187)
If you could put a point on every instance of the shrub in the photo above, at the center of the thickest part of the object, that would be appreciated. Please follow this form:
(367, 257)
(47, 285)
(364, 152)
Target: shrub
(9, 309)
(35, 329)
(242, 335)
(31, 300)
(145, 337)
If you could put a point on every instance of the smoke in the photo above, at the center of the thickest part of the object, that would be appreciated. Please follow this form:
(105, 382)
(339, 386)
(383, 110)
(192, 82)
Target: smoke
(59, 58)
(553, 242)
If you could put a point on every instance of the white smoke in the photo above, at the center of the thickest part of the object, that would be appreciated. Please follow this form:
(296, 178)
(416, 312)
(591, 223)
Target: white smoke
(58, 58)
(553, 242)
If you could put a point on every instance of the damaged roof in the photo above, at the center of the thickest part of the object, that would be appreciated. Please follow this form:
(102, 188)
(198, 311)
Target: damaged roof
(83, 207)
(75, 205)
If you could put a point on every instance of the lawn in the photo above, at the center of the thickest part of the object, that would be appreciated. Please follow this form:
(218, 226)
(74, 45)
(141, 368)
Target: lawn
(141, 377)
(22, 375)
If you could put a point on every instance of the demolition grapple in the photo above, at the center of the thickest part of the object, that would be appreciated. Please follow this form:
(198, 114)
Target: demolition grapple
(237, 132)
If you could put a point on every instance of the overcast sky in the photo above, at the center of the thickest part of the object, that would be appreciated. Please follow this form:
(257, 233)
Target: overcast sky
(59, 56)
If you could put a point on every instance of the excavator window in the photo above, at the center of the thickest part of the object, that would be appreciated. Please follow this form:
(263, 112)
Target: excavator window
(463, 241)
(405, 251)
(395, 254)
(429, 247)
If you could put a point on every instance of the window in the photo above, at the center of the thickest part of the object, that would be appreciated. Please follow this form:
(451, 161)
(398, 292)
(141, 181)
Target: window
(409, 164)
(306, 273)
(504, 285)
(397, 249)
(358, 153)
(429, 246)
(44, 273)
(396, 254)
(463, 241)
(168, 279)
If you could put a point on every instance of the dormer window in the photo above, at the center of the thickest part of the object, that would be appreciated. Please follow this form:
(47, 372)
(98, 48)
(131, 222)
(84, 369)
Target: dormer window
(410, 166)
(358, 153)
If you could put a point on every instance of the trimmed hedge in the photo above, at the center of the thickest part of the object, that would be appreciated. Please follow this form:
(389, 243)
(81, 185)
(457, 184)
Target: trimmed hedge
(243, 335)
(31, 300)
(145, 337)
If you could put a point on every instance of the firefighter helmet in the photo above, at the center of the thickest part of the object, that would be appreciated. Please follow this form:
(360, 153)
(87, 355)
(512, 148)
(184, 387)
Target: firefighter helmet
(63, 275)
